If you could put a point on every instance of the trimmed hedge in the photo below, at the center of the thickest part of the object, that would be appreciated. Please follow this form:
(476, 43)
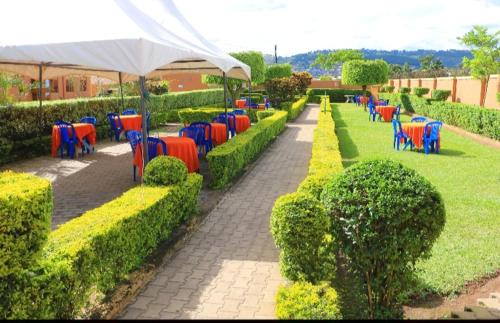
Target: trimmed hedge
(440, 95)
(294, 109)
(404, 90)
(265, 113)
(420, 91)
(188, 116)
(25, 218)
(227, 160)
(21, 125)
(164, 171)
(473, 118)
(94, 252)
(304, 301)
(336, 95)
(326, 160)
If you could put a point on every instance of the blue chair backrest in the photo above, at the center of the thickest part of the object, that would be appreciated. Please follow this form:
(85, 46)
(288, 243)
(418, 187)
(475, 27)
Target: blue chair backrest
(382, 103)
(230, 116)
(111, 119)
(419, 119)
(153, 147)
(398, 109)
(239, 112)
(134, 138)
(87, 119)
(432, 129)
(370, 100)
(197, 134)
(204, 126)
(371, 106)
(396, 125)
(64, 131)
(129, 111)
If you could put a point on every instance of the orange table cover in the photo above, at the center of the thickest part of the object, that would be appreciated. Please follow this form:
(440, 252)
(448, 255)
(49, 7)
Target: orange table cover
(416, 132)
(219, 135)
(82, 130)
(130, 122)
(242, 123)
(241, 103)
(363, 100)
(386, 112)
(262, 106)
(182, 148)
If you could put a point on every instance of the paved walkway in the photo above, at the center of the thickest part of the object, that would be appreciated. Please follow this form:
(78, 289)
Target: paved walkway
(229, 267)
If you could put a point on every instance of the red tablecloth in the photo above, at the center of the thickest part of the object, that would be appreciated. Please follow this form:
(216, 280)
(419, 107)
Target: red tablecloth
(182, 148)
(262, 106)
(242, 123)
(416, 132)
(130, 122)
(386, 112)
(82, 130)
(241, 103)
(363, 100)
(219, 135)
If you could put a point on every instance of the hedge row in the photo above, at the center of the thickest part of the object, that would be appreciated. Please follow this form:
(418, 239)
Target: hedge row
(469, 117)
(336, 95)
(91, 254)
(25, 217)
(296, 108)
(25, 130)
(227, 160)
(265, 113)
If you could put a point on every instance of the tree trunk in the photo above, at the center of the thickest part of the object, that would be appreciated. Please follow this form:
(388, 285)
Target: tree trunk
(483, 98)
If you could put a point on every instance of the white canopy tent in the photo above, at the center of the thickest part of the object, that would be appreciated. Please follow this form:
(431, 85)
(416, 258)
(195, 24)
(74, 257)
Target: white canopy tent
(115, 39)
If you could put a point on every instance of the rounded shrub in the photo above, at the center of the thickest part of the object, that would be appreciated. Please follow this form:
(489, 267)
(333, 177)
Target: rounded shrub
(420, 91)
(25, 218)
(305, 301)
(299, 226)
(440, 95)
(385, 217)
(404, 90)
(164, 171)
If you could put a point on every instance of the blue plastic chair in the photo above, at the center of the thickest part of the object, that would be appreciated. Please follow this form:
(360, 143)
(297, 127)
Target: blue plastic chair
(373, 113)
(195, 133)
(67, 140)
(232, 125)
(431, 137)
(134, 138)
(239, 112)
(129, 111)
(207, 128)
(398, 134)
(419, 119)
(88, 119)
(382, 103)
(153, 147)
(115, 130)
(397, 112)
(371, 100)
(356, 100)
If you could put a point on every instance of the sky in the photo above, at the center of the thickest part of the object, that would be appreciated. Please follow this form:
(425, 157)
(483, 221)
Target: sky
(299, 26)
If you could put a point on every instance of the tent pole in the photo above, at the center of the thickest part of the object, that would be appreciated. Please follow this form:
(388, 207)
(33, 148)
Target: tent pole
(121, 89)
(225, 104)
(144, 122)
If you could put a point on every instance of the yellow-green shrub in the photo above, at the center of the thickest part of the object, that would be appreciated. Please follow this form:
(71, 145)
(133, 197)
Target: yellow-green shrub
(188, 116)
(227, 160)
(165, 170)
(25, 217)
(296, 108)
(265, 113)
(304, 301)
(94, 252)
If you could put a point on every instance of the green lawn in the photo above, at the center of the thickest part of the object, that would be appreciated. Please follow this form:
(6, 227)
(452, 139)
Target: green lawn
(466, 173)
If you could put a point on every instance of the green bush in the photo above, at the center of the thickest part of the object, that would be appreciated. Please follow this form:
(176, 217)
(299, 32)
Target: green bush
(227, 160)
(265, 113)
(440, 95)
(188, 116)
(299, 225)
(386, 89)
(420, 91)
(404, 90)
(21, 125)
(326, 160)
(304, 301)
(385, 217)
(336, 95)
(164, 171)
(277, 71)
(25, 218)
(94, 252)
(365, 72)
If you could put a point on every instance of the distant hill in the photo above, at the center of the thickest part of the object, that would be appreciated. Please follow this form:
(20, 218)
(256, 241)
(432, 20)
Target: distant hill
(302, 62)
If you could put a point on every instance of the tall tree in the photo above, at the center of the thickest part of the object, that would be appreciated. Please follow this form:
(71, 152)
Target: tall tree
(234, 86)
(330, 60)
(276, 71)
(365, 72)
(486, 54)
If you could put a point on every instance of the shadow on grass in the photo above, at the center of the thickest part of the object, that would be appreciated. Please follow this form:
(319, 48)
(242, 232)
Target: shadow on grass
(452, 152)
(348, 148)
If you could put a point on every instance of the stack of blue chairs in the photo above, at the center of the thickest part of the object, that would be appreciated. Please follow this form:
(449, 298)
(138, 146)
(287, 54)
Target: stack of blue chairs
(67, 140)
(206, 128)
(115, 130)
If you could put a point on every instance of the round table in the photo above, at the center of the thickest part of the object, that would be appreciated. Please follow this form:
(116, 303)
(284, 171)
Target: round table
(242, 123)
(241, 103)
(82, 130)
(130, 122)
(386, 112)
(415, 130)
(219, 135)
(262, 106)
(350, 98)
(181, 148)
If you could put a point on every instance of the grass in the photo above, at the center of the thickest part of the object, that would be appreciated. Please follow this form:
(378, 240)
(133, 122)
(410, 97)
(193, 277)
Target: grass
(466, 173)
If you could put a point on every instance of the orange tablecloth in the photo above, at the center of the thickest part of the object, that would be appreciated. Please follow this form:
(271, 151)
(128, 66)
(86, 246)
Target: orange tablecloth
(131, 122)
(416, 132)
(262, 106)
(242, 123)
(363, 100)
(241, 103)
(82, 130)
(219, 135)
(182, 148)
(386, 112)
